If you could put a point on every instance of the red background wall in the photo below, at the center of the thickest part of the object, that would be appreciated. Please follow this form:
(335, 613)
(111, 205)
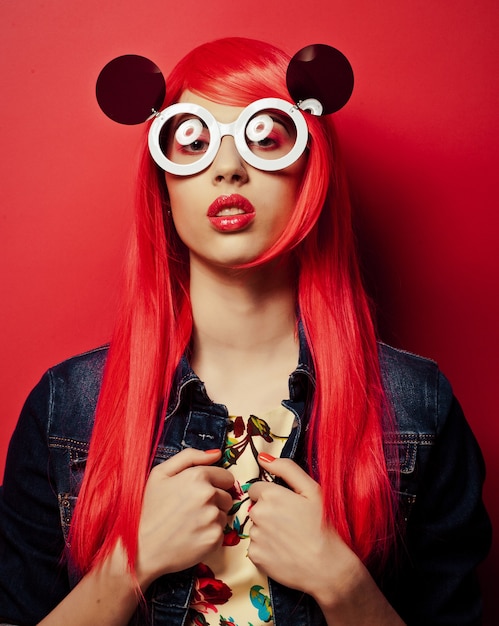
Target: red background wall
(420, 135)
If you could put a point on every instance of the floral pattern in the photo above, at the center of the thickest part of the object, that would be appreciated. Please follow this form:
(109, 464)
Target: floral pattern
(261, 602)
(237, 444)
(210, 593)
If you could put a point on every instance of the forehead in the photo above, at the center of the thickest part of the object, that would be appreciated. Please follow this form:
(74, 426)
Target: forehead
(223, 113)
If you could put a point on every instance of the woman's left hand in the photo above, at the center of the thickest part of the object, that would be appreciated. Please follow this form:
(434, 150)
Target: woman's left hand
(290, 542)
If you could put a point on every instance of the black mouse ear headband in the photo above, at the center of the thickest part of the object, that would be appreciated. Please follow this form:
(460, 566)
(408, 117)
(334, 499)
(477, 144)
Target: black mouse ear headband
(319, 79)
(131, 89)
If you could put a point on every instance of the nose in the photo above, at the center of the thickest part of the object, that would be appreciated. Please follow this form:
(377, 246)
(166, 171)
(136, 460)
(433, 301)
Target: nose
(228, 165)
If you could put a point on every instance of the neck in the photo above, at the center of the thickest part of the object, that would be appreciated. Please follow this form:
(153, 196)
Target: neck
(244, 325)
(242, 310)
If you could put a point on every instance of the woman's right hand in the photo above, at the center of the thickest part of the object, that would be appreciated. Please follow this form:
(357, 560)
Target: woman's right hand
(184, 513)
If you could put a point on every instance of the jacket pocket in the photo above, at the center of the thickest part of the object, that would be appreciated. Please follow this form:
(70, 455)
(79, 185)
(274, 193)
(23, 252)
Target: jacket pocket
(405, 453)
(70, 459)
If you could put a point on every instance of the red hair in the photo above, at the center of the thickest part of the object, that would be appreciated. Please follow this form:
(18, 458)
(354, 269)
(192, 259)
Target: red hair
(155, 324)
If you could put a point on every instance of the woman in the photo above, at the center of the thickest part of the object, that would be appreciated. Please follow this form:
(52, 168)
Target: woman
(244, 335)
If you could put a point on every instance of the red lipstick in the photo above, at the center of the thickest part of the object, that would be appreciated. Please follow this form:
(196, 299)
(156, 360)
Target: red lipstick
(231, 213)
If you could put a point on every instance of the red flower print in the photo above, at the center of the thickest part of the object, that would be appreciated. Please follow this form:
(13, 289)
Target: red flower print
(231, 537)
(208, 590)
(238, 426)
(235, 491)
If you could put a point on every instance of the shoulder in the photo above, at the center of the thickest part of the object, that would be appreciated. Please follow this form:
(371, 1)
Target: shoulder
(83, 369)
(421, 396)
(67, 394)
(440, 472)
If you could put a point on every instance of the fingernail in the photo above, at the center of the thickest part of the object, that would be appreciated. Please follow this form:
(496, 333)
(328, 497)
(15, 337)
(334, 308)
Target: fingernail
(213, 451)
(266, 458)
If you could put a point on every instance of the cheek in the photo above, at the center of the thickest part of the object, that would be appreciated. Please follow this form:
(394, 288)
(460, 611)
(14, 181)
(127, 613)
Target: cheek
(182, 203)
(182, 219)
(292, 180)
(288, 193)
(172, 185)
(179, 214)
(186, 191)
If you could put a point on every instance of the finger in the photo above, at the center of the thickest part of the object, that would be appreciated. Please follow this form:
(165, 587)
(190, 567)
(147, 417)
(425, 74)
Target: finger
(218, 477)
(258, 489)
(292, 474)
(223, 500)
(190, 457)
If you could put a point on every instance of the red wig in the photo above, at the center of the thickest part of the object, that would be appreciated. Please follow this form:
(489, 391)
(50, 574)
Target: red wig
(155, 324)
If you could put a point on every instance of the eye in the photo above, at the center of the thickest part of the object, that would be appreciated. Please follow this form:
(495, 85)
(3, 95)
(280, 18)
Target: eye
(191, 137)
(188, 132)
(259, 128)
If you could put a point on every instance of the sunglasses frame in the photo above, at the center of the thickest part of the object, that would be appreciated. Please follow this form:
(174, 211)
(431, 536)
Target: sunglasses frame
(235, 129)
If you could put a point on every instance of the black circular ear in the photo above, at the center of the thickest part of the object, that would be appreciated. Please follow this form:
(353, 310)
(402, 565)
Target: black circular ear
(130, 88)
(321, 72)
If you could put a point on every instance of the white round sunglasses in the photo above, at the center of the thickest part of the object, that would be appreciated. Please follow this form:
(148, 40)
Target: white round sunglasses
(270, 134)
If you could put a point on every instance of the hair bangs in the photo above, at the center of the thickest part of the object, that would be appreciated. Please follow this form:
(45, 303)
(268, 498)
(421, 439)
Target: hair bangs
(233, 71)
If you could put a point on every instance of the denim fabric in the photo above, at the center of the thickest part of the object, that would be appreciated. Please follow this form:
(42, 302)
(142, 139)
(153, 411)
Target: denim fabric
(445, 529)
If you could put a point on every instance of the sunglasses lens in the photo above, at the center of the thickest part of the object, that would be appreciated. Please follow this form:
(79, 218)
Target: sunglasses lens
(185, 139)
(270, 134)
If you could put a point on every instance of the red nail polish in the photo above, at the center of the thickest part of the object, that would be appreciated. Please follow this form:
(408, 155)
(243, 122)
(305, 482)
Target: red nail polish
(213, 451)
(266, 458)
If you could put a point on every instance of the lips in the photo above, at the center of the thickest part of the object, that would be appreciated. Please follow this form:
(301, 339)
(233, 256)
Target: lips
(231, 213)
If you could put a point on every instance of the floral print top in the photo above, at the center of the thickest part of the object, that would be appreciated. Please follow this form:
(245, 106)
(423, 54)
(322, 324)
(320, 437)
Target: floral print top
(229, 589)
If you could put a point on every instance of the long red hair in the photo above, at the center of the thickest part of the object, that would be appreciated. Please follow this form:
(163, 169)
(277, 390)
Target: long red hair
(154, 328)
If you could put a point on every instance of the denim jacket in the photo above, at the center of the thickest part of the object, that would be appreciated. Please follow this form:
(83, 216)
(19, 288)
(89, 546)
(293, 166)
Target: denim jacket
(445, 529)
